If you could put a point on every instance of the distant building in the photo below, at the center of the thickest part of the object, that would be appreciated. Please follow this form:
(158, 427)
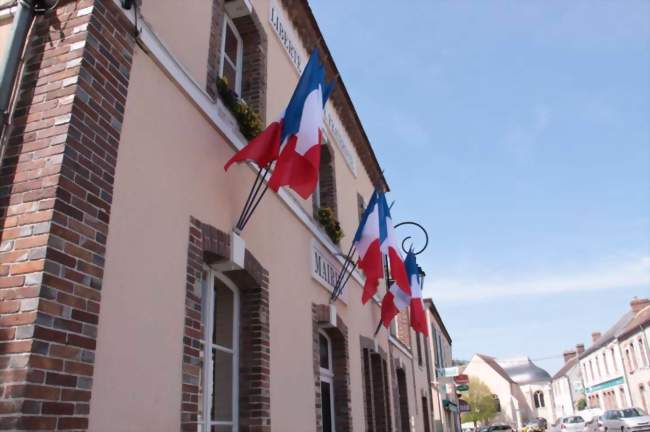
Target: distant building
(443, 392)
(567, 384)
(615, 367)
(634, 345)
(521, 388)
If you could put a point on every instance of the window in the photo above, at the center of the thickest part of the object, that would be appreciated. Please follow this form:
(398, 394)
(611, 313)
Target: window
(425, 414)
(644, 402)
(403, 399)
(643, 355)
(325, 194)
(605, 365)
(376, 394)
(221, 355)
(597, 360)
(230, 67)
(635, 364)
(361, 206)
(538, 397)
(326, 382)
(419, 348)
(591, 369)
(628, 358)
(613, 355)
(497, 403)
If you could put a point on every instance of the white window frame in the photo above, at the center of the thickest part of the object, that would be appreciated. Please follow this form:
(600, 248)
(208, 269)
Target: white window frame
(208, 326)
(227, 22)
(327, 375)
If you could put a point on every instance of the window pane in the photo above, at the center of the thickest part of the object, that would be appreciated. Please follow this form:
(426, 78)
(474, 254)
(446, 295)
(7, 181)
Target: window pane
(324, 352)
(326, 405)
(221, 428)
(222, 388)
(231, 45)
(223, 315)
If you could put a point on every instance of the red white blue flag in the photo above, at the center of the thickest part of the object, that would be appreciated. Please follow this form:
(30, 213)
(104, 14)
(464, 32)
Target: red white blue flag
(375, 239)
(397, 299)
(294, 139)
(367, 241)
(418, 318)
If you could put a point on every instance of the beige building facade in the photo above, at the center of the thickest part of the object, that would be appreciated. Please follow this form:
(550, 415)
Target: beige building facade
(128, 304)
(521, 388)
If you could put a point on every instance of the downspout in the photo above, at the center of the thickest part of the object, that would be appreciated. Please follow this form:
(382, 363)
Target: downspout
(10, 64)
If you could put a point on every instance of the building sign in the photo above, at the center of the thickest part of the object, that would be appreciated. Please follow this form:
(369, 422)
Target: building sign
(324, 269)
(294, 50)
(604, 385)
(461, 379)
(282, 32)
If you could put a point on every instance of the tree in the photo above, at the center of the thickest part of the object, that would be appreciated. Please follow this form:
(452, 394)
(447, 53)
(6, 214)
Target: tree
(482, 404)
(581, 404)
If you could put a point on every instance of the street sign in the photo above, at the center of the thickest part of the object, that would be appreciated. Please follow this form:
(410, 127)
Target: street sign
(461, 379)
(462, 388)
(448, 372)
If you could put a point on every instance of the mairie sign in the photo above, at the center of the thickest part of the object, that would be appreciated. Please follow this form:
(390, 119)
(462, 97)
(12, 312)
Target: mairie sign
(604, 385)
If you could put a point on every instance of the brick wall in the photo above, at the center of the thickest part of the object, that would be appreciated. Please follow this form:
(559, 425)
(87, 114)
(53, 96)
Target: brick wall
(341, 366)
(55, 203)
(404, 328)
(208, 245)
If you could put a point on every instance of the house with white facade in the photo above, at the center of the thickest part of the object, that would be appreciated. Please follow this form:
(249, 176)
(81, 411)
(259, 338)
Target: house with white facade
(567, 384)
(636, 355)
(615, 358)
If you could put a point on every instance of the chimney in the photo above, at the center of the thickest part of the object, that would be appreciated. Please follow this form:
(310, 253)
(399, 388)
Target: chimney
(580, 348)
(637, 304)
(568, 355)
(595, 336)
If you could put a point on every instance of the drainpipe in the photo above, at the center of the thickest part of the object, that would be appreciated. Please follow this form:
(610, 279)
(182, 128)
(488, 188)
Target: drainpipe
(10, 62)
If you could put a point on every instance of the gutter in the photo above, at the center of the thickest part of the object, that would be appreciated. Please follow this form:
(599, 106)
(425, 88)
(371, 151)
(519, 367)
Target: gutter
(10, 64)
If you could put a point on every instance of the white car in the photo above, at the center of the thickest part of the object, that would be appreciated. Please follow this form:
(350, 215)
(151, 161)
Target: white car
(568, 424)
(625, 420)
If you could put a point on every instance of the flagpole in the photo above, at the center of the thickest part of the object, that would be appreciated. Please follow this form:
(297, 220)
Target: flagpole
(254, 207)
(338, 287)
(251, 194)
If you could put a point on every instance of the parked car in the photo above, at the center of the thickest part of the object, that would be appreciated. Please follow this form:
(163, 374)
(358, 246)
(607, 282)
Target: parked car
(535, 425)
(500, 428)
(595, 424)
(568, 424)
(626, 420)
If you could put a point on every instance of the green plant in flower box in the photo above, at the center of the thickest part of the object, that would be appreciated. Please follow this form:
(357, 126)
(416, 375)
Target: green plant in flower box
(326, 218)
(249, 120)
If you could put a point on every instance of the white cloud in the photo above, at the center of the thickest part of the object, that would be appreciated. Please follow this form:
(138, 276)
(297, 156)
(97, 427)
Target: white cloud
(630, 273)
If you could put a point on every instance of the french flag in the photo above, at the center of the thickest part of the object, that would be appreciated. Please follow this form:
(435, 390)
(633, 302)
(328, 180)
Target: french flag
(298, 128)
(418, 318)
(301, 137)
(390, 245)
(398, 296)
(368, 244)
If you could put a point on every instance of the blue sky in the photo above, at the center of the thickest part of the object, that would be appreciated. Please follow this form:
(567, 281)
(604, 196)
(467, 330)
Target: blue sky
(518, 133)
